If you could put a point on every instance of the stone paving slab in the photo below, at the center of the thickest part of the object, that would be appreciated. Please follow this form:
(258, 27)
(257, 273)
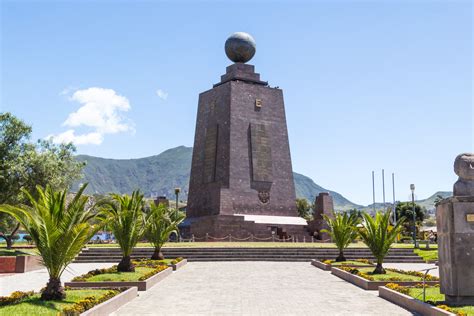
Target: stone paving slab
(257, 288)
(36, 280)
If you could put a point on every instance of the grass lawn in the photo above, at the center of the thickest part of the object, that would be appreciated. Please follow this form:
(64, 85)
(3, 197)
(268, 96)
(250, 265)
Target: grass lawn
(121, 276)
(348, 262)
(428, 254)
(14, 252)
(34, 306)
(244, 244)
(433, 294)
(390, 274)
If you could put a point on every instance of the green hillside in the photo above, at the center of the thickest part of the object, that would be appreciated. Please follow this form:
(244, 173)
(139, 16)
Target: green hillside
(429, 202)
(160, 174)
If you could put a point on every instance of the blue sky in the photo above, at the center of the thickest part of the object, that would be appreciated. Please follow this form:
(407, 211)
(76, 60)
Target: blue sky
(367, 85)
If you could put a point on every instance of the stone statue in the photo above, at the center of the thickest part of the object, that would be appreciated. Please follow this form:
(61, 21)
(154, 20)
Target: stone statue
(455, 221)
(464, 168)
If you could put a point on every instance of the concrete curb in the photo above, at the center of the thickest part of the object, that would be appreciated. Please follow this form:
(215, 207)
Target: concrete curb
(179, 265)
(372, 285)
(327, 267)
(112, 304)
(141, 285)
(411, 304)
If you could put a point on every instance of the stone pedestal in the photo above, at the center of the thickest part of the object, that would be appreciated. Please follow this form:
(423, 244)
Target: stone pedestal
(324, 205)
(455, 221)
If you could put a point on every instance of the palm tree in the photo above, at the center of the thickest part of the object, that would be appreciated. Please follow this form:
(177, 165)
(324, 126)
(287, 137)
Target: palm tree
(378, 235)
(162, 222)
(59, 229)
(127, 223)
(342, 229)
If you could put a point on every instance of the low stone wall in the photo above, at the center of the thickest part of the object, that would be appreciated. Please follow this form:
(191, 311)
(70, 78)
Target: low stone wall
(327, 267)
(19, 264)
(112, 304)
(372, 285)
(179, 265)
(321, 265)
(141, 285)
(411, 304)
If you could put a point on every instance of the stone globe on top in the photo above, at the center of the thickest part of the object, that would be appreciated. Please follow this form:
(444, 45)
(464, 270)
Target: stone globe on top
(240, 47)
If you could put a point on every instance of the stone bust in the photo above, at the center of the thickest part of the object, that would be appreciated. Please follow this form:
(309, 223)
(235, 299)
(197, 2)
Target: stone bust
(464, 168)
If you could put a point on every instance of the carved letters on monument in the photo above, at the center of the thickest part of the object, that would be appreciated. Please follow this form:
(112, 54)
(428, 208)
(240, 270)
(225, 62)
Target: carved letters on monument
(210, 152)
(261, 153)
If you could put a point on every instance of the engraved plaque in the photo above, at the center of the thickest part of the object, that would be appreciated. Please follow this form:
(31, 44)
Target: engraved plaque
(210, 152)
(261, 153)
(470, 218)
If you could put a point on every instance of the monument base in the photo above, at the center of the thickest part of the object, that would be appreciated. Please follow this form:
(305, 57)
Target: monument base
(241, 226)
(455, 223)
(459, 300)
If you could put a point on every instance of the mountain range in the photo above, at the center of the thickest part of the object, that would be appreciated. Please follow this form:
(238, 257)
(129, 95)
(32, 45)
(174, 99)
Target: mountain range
(158, 176)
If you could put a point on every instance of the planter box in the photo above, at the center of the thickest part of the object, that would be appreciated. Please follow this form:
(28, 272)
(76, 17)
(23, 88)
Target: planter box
(19, 264)
(112, 304)
(372, 285)
(141, 285)
(327, 267)
(178, 265)
(411, 304)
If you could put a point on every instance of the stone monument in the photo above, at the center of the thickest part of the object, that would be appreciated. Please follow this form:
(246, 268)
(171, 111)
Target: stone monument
(241, 176)
(323, 205)
(455, 223)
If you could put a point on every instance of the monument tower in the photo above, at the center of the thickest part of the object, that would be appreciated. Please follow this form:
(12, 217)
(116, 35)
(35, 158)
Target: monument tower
(241, 176)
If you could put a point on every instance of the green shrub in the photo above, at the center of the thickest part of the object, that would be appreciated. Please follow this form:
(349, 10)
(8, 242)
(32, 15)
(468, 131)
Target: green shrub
(15, 297)
(88, 302)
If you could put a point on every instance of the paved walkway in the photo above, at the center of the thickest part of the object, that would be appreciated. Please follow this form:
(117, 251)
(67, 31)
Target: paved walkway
(257, 288)
(36, 280)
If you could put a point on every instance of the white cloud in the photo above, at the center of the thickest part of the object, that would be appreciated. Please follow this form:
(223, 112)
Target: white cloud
(101, 109)
(162, 94)
(69, 136)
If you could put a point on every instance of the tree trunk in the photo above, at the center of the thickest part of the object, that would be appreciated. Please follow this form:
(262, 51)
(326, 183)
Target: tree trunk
(9, 242)
(379, 269)
(53, 290)
(157, 254)
(9, 238)
(126, 265)
(341, 256)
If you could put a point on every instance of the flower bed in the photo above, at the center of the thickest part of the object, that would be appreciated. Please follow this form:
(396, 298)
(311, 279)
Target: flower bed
(84, 302)
(146, 275)
(408, 297)
(19, 263)
(178, 263)
(173, 263)
(328, 264)
(363, 278)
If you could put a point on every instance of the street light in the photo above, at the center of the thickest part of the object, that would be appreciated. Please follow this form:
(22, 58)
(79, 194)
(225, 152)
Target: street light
(176, 192)
(412, 188)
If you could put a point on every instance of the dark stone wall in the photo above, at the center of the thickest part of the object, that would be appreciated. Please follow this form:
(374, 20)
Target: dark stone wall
(223, 177)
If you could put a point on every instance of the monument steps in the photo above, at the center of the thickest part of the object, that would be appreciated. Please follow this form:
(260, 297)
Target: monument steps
(246, 254)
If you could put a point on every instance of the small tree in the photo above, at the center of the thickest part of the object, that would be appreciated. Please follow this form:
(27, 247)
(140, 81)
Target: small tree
(405, 209)
(59, 229)
(343, 230)
(162, 222)
(24, 164)
(304, 208)
(127, 223)
(378, 235)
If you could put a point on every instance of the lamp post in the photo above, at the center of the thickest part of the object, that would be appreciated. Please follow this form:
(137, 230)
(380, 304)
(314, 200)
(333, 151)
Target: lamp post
(176, 192)
(412, 188)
